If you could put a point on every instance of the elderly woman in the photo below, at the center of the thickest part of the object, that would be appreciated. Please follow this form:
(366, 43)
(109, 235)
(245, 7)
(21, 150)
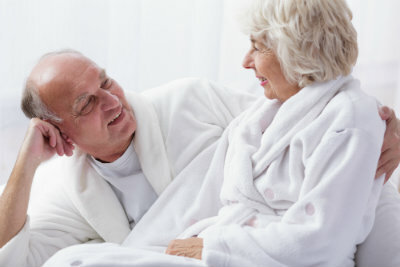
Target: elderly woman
(299, 169)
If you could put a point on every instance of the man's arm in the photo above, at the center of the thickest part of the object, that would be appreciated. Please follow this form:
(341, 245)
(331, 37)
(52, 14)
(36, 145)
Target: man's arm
(42, 141)
(390, 155)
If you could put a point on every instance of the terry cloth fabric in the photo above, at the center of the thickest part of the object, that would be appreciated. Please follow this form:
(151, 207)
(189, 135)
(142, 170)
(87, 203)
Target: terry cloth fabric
(319, 196)
(72, 204)
(178, 125)
(295, 176)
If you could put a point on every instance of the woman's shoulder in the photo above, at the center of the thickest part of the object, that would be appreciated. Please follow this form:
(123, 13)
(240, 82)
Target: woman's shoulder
(353, 108)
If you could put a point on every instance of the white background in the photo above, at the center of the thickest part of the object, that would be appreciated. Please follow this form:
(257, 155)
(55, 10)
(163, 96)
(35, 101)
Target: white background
(144, 43)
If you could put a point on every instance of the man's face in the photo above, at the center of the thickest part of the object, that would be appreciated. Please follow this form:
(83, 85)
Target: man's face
(95, 113)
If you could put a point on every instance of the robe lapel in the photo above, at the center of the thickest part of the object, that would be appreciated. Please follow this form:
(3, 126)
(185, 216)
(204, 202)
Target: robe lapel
(95, 200)
(149, 143)
(92, 195)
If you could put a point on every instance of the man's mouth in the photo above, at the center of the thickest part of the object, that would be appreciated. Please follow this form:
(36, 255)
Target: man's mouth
(116, 118)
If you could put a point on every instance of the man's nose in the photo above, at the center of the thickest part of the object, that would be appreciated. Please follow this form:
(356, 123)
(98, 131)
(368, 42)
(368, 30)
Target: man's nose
(109, 101)
(248, 61)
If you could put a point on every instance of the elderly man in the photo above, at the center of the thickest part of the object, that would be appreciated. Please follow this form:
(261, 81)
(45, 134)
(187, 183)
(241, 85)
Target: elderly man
(120, 164)
(124, 156)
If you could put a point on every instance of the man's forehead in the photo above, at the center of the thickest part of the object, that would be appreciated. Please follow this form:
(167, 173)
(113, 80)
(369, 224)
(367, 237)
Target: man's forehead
(83, 95)
(58, 67)
(68, 78)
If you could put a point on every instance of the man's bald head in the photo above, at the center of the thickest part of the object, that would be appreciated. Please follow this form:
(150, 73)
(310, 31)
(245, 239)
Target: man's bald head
(47, 71)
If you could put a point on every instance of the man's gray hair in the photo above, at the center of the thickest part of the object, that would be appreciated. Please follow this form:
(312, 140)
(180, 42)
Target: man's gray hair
(31, 104)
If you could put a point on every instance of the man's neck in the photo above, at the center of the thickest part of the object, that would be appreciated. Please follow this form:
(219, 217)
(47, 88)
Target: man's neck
(111, 157)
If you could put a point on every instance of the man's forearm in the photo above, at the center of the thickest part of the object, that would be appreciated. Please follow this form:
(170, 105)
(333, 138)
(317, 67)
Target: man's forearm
(15, 198)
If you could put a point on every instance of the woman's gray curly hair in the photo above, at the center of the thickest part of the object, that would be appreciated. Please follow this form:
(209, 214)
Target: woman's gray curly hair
(314, 40)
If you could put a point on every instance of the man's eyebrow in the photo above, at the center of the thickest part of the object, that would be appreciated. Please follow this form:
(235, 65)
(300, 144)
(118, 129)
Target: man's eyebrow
(102, 74)
(79, 99)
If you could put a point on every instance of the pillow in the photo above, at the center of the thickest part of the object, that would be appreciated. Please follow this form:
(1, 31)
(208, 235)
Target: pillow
(382, 246)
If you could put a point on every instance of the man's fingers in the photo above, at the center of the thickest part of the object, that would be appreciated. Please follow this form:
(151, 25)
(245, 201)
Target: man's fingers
(392, 137)
(60, 144)
(388, 175)
(68, 148)
(388, 167)
(385, 112)
(53, 135)
(48, 132)
(385, 157)
(68, 144)
(391, 141)
(66, 138)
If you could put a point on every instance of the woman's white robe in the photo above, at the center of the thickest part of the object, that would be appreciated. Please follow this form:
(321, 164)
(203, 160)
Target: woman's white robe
(299, 187)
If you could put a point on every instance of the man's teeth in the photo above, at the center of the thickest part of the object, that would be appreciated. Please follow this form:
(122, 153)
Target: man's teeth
(116, 117)
(262, 79)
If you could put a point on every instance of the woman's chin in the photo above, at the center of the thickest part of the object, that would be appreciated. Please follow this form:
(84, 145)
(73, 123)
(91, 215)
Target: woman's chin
(268, 94)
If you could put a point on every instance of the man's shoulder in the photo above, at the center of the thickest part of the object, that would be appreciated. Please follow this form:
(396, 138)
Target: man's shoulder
(57, 169)
(178, 89)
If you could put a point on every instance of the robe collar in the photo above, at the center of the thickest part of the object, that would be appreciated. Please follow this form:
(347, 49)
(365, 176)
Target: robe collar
(92, 195)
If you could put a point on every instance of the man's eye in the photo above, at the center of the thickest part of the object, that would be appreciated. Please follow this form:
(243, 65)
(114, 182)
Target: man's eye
(106, 84)
(87, 107)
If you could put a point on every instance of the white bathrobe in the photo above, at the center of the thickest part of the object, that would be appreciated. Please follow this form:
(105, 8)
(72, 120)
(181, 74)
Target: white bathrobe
(298, 189)
(72, 204)
(299, 186)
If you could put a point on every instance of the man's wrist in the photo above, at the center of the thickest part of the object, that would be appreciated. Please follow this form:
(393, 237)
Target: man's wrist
(26, 165)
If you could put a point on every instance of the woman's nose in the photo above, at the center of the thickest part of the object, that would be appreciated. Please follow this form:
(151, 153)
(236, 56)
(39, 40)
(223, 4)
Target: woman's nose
(109, 101)
(248, 62)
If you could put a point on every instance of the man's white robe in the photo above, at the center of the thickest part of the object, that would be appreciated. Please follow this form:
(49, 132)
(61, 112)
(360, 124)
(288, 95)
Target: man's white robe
(72, 204)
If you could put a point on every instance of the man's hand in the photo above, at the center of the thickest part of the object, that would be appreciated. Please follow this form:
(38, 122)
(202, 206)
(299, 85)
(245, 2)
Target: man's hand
(43, 140)
(390, 155)
(191, 247)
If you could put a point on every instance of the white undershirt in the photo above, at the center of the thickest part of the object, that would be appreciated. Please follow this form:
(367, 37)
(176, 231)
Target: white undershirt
(127, 180)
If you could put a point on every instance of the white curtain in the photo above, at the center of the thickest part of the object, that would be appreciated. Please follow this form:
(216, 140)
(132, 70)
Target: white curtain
(378, 67)
(141, 43)
(144, 43)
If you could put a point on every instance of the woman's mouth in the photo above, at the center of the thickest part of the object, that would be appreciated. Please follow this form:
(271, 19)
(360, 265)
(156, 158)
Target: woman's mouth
(263, 81)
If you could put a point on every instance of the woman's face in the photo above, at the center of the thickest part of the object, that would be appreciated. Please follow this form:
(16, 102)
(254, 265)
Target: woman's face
(268, 70)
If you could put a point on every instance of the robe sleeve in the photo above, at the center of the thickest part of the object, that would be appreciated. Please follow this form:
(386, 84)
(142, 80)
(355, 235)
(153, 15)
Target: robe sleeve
(335, 211)
(52, 224)
(193, 114)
